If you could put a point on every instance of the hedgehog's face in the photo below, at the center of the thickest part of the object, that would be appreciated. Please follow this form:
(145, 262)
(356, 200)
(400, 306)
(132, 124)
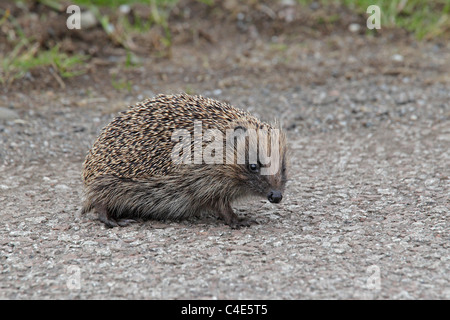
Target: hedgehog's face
(262, 162)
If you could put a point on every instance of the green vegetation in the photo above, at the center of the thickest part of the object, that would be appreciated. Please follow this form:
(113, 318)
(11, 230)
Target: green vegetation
(16, 65)
(27, 55)
(159, 16)
(121, 83)
(425, 19)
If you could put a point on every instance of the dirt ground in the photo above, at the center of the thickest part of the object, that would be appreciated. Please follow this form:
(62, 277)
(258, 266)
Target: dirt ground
(366, 211)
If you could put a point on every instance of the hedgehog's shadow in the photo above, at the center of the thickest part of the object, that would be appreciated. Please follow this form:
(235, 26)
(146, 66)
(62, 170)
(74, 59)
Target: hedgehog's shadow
(201, 220)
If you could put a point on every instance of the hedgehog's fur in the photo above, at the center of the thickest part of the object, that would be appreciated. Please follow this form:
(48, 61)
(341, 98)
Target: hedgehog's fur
(129, 174)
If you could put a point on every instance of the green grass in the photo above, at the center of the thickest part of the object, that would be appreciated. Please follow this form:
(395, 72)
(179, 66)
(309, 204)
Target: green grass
(121, 83)
(27, 54)
(425, 19)
(21, 60)
(159, 16)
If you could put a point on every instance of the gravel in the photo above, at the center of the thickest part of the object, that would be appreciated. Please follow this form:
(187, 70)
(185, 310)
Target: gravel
(365, 215)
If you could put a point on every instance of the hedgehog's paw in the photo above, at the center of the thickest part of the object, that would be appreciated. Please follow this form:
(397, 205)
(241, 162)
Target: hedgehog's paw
(109, 221)
(242, 222)
(227, 214)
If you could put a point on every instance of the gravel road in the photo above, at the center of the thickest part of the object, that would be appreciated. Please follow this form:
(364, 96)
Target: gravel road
(366, 212)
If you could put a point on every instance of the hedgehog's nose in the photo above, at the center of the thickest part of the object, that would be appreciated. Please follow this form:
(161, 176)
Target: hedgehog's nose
(274, 196)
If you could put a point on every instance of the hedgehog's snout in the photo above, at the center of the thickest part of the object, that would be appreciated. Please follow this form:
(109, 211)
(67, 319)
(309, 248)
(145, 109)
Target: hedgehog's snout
(274, 196)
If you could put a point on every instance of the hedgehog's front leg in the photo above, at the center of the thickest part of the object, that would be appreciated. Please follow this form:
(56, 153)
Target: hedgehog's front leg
(227, 214)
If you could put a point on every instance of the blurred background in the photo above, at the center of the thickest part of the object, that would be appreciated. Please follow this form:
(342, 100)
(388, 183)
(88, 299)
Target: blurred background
(38, 50)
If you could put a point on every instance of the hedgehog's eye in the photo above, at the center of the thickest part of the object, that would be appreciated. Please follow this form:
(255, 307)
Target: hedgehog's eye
(253, 167)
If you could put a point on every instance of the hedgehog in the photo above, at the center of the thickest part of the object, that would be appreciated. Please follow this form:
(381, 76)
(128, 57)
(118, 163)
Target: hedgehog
(174, 156)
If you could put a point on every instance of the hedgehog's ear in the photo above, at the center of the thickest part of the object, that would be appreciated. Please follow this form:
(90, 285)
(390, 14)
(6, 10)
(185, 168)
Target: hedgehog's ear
(240, 127)
(236, 131)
